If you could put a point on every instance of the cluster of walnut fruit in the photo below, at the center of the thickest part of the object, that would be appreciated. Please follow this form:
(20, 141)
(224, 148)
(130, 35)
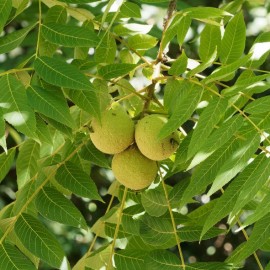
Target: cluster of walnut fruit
(136, 148)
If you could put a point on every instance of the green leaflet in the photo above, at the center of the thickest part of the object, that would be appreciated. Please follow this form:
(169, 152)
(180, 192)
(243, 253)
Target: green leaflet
(259, 236)
(226, 203)
(15, 106)
(260, 50)
(142, 42)
(106, 50)
(14, 39)
(233, 42)
(179, 66)
(86, 100)
(179, 26)
(236, 162)
(26, 165)
(162, 259)
(56, 14)
(223, 72)
(259, 212)
(204, 174)
(128, 10)
(50, 103)
(12, 259)
(59, 73)
(184, 109)
(218, 138)
(209, 40)
(5, 9)
(39, 240)
(260, 105)
(210, 116)
(55, 206)
(115, 70)
(205, 12)
(251, 187)
(6, 161)
(248, 84)
(71, 176)
(91, 153)
(154, 202)
(22, 197)
(135, 259)
(69, 36)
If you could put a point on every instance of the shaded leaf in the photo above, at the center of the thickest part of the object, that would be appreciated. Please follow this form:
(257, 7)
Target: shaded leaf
(86, 100)
(55, 206)
(162, 259)
(26, 165)
(50, 103)
(12, 259)
(5, 9)
(59, 73)
(259, 236)
(73, 178)
(14, 39)
(6, 161)
(37, 239)
(69, 35)
(154, 202)
(133, 258)
(91, 153)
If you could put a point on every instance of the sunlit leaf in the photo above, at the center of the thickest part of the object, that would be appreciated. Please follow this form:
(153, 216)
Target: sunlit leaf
(15, 106)
(185, 107)
(206, 123)
(209, 41)
(233, 42)
(226, 202)
(115, 70)
(69, 36)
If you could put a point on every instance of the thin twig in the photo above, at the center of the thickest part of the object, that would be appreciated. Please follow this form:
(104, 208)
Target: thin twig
(170, 10)
(117, 227)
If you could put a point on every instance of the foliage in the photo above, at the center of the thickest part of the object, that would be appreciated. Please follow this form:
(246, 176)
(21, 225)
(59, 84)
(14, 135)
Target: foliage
(74, 58)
